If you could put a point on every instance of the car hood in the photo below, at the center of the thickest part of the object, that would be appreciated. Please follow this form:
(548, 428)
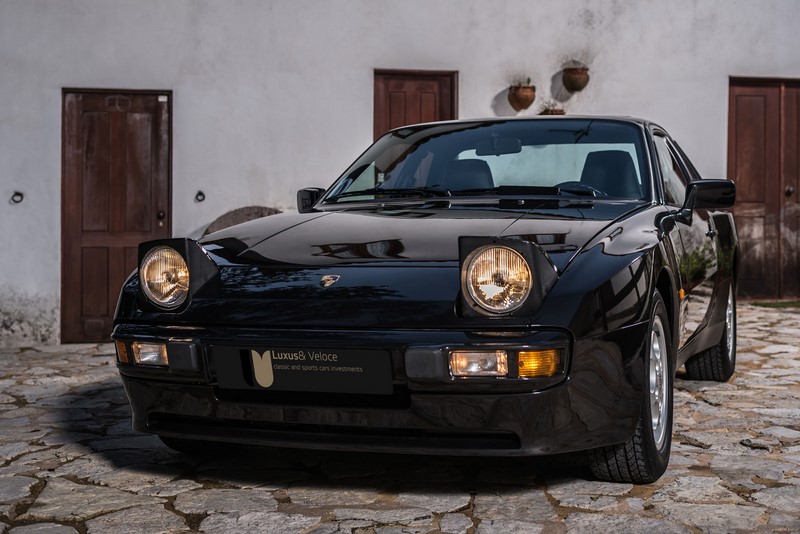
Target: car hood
(401, 235)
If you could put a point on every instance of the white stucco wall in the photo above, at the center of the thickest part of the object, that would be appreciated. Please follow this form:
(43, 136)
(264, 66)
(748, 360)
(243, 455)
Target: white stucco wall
(274, 95)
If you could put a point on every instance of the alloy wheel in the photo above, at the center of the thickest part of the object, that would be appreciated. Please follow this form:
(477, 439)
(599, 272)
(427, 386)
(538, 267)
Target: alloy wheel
(658, 382)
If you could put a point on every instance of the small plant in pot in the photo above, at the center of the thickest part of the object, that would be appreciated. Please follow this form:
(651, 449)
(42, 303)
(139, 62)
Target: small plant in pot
(550, 106)
(521, 96)
(575, 76)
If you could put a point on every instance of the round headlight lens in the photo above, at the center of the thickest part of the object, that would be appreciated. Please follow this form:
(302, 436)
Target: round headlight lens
(164, 276)
(498, 278)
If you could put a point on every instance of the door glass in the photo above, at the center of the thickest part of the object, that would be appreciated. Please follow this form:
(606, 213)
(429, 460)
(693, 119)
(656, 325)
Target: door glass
(672, 176)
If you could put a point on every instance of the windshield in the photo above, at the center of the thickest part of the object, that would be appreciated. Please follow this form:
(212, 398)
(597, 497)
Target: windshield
(575, 157)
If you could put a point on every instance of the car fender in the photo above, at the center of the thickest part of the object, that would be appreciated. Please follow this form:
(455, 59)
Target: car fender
(609, 284)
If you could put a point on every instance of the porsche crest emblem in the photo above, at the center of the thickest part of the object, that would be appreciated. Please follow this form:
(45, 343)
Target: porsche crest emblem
(328, 280)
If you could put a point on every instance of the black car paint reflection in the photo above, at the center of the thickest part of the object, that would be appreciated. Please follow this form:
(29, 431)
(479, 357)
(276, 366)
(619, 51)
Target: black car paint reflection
(381, 270)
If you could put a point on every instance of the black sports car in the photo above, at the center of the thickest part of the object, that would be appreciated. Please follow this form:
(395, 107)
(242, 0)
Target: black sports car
(484, 287)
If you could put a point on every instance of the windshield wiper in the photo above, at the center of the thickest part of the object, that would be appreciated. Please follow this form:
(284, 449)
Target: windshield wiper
(511, 190)
(419, 192)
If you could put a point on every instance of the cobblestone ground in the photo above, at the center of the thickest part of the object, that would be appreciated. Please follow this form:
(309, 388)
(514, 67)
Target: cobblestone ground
(69, 462)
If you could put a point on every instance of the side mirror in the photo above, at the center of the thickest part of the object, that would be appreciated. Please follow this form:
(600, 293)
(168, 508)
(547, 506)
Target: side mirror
(710, 194)
(307, 197)
(700, 194)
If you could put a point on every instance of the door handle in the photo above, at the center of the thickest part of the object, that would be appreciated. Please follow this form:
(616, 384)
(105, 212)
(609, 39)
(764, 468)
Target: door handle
(160, 215)
(789, 191)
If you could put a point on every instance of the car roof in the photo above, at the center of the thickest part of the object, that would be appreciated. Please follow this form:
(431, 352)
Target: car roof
(644, 123)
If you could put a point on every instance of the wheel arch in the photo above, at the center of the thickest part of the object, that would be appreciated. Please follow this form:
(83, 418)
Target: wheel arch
(666, 287)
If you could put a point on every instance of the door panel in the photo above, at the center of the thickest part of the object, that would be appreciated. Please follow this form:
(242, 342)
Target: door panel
(94, 280)
(115, 180)
(95, 136)
(697, 254)
(754, 164)
(410, 97)
(138, 186)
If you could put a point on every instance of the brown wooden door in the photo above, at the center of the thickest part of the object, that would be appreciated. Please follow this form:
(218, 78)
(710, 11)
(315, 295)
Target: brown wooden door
(410, 97)
(763, 146)
(115, 193)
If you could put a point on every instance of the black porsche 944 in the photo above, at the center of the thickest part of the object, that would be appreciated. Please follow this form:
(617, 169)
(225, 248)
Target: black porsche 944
(477, 287)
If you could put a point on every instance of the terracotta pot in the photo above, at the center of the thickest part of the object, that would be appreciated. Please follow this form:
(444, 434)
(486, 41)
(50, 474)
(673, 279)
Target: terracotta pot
(552, 112)
(575, 78)
(521, 96)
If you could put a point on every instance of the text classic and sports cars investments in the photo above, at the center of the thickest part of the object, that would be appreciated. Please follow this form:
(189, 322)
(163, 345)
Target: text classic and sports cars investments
(485, 287)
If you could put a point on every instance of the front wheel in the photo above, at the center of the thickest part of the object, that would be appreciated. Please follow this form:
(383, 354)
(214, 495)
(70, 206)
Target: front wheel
(719, 362)
(644, 457)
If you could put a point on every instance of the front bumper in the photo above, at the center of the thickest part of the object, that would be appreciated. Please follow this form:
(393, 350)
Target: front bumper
(595, 402)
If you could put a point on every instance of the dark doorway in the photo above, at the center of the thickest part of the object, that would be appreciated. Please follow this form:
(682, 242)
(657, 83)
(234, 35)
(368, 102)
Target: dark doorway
(116, 182)
(410, 97)
(763, 153)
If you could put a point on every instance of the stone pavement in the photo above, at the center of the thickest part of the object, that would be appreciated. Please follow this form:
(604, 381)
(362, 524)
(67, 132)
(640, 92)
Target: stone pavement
(70, 463)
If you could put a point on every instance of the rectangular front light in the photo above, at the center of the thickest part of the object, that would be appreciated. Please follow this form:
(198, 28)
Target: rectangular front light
(539, 363)
(150, 353)
(478, 363)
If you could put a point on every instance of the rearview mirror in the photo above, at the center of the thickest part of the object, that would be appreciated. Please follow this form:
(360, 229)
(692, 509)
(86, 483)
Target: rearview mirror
(710, 194)
(497, 146)
(307, 197)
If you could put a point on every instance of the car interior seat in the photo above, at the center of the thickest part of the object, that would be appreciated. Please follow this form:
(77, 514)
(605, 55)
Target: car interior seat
(612, 172)
(462, 174)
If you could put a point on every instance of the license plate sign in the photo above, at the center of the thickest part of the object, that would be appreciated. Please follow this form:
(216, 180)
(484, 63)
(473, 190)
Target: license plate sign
(305, 369)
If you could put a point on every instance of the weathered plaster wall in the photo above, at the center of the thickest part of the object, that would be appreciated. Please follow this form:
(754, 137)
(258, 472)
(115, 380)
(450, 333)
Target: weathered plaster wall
(273, 95)
(27, 320)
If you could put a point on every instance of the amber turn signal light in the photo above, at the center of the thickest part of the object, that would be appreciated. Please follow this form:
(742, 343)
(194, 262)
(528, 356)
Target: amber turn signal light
(122, 352)
(539, 363)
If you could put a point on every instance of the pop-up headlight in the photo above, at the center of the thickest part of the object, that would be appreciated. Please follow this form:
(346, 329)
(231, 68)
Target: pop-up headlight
(172, 272)
(498, 278)
(503, 276)
(164, 276)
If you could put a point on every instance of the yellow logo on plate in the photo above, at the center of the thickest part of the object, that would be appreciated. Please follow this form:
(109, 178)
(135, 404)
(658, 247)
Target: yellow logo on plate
(328, 280)
(262, 368)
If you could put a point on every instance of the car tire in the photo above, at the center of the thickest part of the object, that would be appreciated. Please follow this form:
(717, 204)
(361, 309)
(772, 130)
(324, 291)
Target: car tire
(719, 362)
(193, 446)
(644, 457)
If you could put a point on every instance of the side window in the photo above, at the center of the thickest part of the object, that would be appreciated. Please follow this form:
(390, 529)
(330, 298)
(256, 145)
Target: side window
(694, 174)
(672, 176)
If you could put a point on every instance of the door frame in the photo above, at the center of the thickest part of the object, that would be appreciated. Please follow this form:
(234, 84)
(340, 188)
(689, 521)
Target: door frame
(70, 160)
(416, 73)
(784, 137)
